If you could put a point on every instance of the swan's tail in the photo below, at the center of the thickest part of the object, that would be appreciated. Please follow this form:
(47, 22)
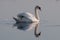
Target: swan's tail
(17, 21)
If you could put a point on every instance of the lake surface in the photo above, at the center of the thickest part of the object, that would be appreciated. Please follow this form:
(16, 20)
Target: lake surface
(49, 19)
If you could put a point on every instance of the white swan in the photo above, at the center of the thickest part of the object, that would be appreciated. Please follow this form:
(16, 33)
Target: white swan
(28, 17)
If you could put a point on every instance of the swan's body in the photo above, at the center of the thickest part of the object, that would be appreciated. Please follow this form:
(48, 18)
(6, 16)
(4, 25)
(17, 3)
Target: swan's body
(28, 17)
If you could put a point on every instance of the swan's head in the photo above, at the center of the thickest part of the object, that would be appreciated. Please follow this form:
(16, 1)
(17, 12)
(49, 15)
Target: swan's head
(38, 7)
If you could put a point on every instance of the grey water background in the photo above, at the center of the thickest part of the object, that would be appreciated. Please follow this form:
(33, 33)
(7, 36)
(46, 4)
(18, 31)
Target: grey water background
(49, 19)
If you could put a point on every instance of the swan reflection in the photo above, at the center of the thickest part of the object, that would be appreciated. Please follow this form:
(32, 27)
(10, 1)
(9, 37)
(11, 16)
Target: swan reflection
(25, 26)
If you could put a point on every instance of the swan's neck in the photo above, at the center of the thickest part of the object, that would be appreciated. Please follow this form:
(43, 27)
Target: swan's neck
(36, 14)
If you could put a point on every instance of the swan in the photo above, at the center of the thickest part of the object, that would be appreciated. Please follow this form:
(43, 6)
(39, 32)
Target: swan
(29, 18)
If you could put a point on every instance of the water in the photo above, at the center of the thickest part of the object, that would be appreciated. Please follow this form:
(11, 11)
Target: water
(49, 19)
(10, 30)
